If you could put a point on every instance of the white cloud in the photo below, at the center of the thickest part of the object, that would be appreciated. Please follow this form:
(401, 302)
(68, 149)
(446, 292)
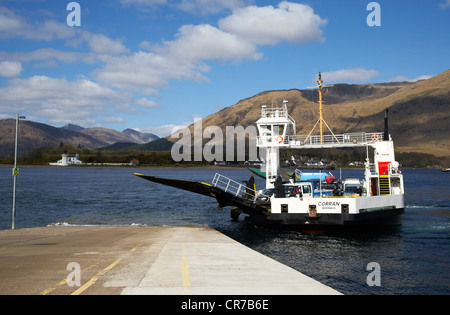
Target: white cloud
(114, 120)
(206, 42)
(291, 22)
(146, 103)
(49, 31)
(445, 4)
(167, 130)
(58, 100)
(12, 25)
(180, 59)
(101, 44)
(144, 2)
(9, 22)
(202, 7)
(210, 6)
(349, 75)
(10, 68)
(146, 72)
(401, 78)
(48, 54)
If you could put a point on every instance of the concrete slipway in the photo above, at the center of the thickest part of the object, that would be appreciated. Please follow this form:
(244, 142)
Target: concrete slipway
(141, 261)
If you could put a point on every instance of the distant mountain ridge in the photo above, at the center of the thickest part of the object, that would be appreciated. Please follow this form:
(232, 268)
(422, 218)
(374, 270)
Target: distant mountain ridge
(73, 127)
(112, 136)
(140, 137)
(35, 135)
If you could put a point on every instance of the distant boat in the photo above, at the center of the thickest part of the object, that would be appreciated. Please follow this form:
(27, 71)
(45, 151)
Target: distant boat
(446, 169)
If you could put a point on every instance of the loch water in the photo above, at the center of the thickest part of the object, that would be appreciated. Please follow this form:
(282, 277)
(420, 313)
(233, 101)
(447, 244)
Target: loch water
(413, 258)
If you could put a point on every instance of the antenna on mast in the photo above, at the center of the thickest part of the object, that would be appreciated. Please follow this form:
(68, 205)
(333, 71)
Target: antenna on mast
(321, 121)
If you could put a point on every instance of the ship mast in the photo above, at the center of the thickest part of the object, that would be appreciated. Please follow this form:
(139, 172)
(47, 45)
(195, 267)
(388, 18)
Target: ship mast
(320, 83)
(321, 121)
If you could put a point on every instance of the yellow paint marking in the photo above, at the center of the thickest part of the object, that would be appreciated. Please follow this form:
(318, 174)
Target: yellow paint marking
(111, 266)
(90, 267)
(95, 278)
(45, 292)
(85, 286)
(185, 269)
(139, 245)
(62, 282)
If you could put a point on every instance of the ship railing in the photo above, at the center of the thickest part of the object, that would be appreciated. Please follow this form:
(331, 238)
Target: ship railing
(280, 112)
(311, 141)
(234, 188)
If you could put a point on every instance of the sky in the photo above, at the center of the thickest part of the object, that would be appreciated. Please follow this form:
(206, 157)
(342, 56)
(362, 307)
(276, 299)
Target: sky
(154, 65)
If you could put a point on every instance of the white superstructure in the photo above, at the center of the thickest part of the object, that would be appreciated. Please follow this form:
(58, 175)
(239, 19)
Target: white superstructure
(381, 189)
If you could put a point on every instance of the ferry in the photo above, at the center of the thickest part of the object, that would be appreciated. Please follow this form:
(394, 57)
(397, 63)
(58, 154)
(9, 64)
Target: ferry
(311, 200)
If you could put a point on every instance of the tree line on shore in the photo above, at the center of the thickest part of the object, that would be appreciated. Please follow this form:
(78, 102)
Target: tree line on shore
(335, 157)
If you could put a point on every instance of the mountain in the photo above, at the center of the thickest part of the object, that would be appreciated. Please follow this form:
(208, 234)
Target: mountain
(418, 111)
(140, 137)
(111, 136)
(73, 127)
(35, 135)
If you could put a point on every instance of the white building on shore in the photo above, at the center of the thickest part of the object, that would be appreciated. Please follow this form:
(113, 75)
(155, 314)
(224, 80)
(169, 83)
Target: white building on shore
(68, 159)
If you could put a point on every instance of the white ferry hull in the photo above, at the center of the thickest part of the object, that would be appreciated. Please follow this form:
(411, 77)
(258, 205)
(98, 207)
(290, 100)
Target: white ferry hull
(329, 221)
(329, 213)
(336, 205)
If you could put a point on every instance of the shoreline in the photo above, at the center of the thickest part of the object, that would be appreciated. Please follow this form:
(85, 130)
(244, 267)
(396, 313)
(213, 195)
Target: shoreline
(205, 167)
(213, 167)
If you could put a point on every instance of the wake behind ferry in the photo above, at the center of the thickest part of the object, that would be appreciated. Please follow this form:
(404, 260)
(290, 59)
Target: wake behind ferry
(311, 200)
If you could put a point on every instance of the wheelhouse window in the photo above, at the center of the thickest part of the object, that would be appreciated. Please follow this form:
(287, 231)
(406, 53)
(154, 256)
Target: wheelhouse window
(278, 130)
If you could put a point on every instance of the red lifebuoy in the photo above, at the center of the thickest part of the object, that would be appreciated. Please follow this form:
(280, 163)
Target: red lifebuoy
(375, 137)
(280, 139)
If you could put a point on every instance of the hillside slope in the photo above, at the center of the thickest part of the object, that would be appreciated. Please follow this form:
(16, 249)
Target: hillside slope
(35, 135)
